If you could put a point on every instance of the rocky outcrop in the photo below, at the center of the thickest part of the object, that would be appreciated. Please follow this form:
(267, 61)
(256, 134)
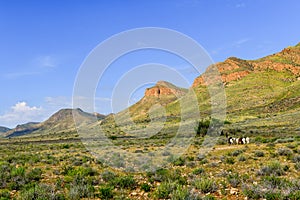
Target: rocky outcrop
(233, 69)
(163, 89)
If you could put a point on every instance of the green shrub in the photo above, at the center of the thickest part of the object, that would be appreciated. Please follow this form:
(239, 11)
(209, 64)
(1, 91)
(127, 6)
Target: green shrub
(297, 166)
(35, 174)
(20, 171)
(39, 192)
(4, 195)
(274, 182)
(202, 127)
(285, 140)
(274, 168)
(179, 162)
(146, 187)
(198, 171)
(273, 196)
(180, 193)
(229, 160)
(81, 188)
(81, 171)
(252, 192)
(296, 159)
(236, 152)
(284, 152)
(294, 195)
(164, 189)
(106, 192)
(242, 158)
(208, 197)
(65, 146)
(108, 176)
(234, 179)
(159, 175)
(206, 185)
(125, 182)
(259, 153)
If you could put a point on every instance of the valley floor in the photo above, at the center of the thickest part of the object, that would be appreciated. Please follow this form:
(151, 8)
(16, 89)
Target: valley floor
(267, 168)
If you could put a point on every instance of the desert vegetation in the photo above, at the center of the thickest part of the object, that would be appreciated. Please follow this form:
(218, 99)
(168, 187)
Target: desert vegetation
(265, 169)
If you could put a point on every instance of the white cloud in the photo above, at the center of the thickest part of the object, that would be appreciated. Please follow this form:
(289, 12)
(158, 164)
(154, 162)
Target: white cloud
(232, 45)
(240, 42)
(16, 75)
(46, 61)
(59, 102)
(23, 107)
(21, 113)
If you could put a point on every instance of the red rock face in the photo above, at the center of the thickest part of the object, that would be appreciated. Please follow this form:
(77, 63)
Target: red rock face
(234, 69)
(164, 89)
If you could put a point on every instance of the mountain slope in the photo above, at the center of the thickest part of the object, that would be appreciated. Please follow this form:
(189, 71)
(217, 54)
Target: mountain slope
(3, 130)
(22, 129)
(59, 123)
(259, 93)
(255, 89)
(265, 88)
(161, 94)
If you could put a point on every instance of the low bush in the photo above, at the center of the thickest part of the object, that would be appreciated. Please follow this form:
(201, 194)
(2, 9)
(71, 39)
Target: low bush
(4, 195)
(106, 192)
(206, 185)
(108, 176)
(273, 168)
(125, 182)
(284, 140)
(234, 179)
(236, 152)
(180, 193)
(252, 191)
(146, 187)
(202, 127)
(297, 166)
(40, 191)
(198, 171)
(35, 174)
(259, 153)
(296, 159)
(81, 187)
(229, 160)
(164, 190)
(284, 152)
(179, 162)
(242, 158)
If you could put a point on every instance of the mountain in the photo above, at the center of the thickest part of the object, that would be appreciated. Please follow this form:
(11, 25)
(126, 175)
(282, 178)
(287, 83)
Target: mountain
(3, 130)
(60, 122)
(261, 95)
(267, 85)
(22, 129)
(232, 69)
(161, 94)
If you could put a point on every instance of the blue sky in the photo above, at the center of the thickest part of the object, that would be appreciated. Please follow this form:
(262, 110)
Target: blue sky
(43, 43)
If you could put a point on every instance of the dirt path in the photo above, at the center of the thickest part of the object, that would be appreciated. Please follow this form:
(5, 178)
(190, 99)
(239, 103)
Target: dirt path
(230, 147)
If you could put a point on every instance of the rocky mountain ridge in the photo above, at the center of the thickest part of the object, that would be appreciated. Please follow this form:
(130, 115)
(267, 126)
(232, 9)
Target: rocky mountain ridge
(254, 88)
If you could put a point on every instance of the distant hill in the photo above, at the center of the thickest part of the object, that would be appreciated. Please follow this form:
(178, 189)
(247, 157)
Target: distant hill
(3, 130)
(60, 122)
(22, 129)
